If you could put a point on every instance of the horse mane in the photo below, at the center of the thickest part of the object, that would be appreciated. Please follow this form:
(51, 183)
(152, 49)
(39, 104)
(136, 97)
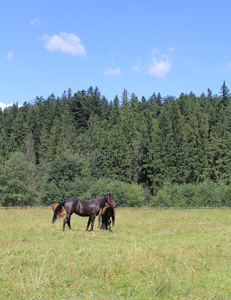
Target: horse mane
(57, 210)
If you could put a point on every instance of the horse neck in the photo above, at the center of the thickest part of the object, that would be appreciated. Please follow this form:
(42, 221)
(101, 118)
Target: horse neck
(103, 201)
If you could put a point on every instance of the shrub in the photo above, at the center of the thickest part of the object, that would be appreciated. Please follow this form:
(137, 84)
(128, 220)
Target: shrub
(125, 194)
(205, 194)
(17, 181)
(162, 199)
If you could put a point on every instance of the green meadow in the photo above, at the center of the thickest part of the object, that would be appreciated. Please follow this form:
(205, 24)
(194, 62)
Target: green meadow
(153, 254)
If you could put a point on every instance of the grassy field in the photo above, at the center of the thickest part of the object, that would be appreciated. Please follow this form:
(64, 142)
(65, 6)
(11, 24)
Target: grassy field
(153, 254)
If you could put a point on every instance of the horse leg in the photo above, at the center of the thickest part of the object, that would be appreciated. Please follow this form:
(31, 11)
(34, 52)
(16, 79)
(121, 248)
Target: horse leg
(88, 223)
(67, 221)
(92, 222)
(113, 222)
(105, 223)
(64, 223)
(109, 224)
(99, 217)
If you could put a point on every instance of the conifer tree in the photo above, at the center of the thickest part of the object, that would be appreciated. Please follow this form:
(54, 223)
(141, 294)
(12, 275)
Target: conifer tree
(52, 149)
(79, 110)
(196, 141)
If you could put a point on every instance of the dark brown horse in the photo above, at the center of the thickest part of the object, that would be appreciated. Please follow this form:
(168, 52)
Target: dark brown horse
(60, 213)
(83, 208)
(105, 215)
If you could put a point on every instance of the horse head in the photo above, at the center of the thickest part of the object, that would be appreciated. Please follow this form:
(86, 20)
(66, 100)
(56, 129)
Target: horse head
(111, 201)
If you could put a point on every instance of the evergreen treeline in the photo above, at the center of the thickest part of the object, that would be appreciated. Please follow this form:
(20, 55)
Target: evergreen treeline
(81, 145)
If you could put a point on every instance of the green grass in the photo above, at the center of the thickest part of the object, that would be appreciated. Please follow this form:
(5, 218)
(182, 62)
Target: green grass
(153, 254)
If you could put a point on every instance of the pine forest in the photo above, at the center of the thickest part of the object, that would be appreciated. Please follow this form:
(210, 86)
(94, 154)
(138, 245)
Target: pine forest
(161, 152)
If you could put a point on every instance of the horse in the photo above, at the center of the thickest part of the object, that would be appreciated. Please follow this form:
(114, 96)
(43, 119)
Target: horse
(60, 213)
(89, 208)
(106, 214)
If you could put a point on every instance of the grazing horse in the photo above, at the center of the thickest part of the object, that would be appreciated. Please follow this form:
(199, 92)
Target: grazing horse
(106, 214)
(60, 213)
(83, 208)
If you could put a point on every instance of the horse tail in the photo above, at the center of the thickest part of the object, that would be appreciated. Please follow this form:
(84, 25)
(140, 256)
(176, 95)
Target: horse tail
(58, 210)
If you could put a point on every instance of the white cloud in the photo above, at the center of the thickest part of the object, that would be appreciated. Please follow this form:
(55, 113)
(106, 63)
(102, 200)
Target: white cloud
(3, 105)
(65, 42)
(113, 72)
(159, 67)
(155, 51)
(171, 49)
(10, 55)
(36, 22)
(137, 67)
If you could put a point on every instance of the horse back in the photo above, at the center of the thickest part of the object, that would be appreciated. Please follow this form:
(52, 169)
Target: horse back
(81, 207)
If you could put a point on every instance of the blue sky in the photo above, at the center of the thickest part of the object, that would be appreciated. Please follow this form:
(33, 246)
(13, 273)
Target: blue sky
(147, 46)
